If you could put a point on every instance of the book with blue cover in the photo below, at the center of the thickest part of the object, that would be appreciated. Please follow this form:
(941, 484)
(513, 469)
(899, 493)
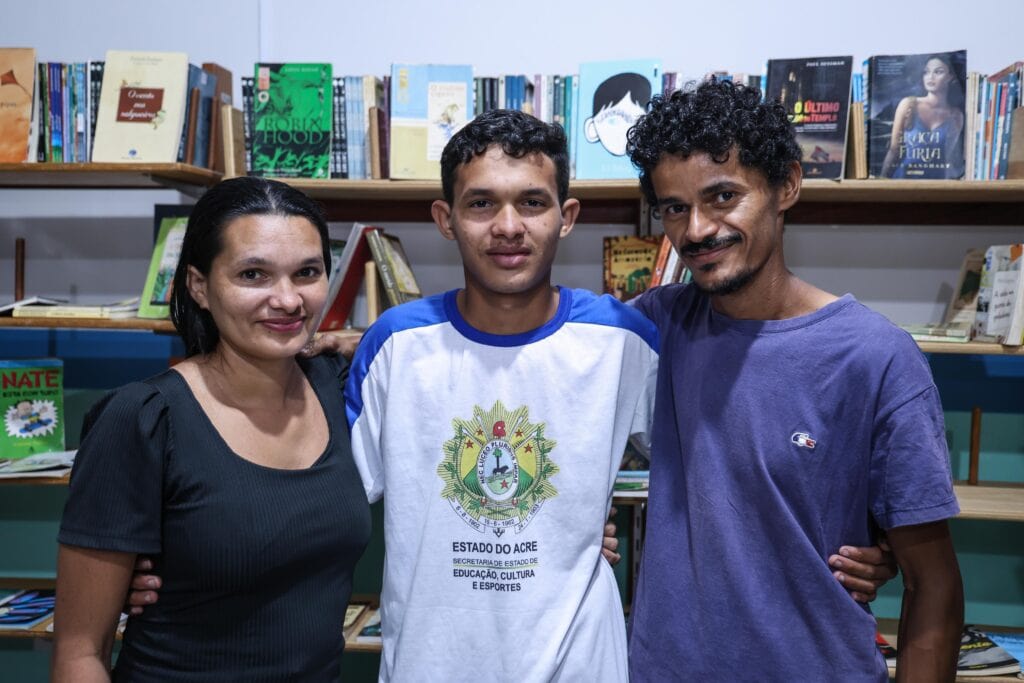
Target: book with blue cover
(612, 96)
(429, 103)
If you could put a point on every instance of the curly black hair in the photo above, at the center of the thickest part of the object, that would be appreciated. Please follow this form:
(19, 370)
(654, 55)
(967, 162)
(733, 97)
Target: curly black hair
(714, 118)
(517, 134)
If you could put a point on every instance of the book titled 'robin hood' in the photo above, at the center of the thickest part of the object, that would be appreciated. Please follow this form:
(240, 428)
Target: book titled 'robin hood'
(32, 406)
(292, 120)
(142, 107)
(17, 78)
(816, 94)
(916, 115)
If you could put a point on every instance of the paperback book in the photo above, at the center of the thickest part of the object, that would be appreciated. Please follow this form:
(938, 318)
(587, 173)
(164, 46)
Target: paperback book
(916, 115)
(629, 264)
(142, 107)
(612, 96)
(17, 87)
(980, 656)
(347, 271)
(429, 104)
(815, 92)
(32, 405)
(26, 609)
(52, 464)
(156, 293)
(1000, 310)
(292, 120)
(396, 274)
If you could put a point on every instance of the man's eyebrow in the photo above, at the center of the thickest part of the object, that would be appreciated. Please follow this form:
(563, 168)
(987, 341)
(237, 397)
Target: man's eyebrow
(721, 186)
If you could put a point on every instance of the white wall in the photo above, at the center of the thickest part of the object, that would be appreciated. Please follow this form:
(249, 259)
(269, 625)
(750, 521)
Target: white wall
(95, 244)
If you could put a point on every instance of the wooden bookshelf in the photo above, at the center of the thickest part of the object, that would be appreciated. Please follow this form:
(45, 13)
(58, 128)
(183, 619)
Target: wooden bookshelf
(103, 175)
(142, 324)
(977, 348)
(989, 501)
(62, 480)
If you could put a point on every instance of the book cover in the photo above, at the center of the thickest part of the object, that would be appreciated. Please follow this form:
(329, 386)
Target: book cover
(232, 135)
(346, 276)
(141, 112)
(17, 83)
(429, 103)
(202, 91)
(32, 405)
(629, 263)
(1001, 277)
(292, 120)
(816, 94)
(117, 309)
(980, 656)
(51, 464)
(916, 115)
(962, 308)
(26, 609)
(156, 293)
(612, 96)
(393, 265)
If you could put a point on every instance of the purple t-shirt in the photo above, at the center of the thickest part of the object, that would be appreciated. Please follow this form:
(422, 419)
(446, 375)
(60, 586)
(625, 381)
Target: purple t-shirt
(775, 442)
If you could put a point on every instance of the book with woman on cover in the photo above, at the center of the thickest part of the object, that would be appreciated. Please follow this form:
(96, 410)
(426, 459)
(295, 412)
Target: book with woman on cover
(917, 113)
(816, 94)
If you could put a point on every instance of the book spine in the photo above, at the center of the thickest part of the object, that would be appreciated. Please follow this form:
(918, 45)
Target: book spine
(56, 113)
(43, 113)
(248, 83)
(95, 87)
(380, 256)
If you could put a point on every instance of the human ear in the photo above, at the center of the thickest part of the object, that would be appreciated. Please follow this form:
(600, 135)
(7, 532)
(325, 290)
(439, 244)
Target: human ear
(441, 212)
(196, 284)
(570, 212)
(789, 193)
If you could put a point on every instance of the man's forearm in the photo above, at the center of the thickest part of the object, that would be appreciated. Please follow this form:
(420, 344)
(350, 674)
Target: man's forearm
(930, 627)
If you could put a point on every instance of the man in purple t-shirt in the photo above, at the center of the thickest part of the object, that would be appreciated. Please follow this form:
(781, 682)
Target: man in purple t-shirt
(787, 421)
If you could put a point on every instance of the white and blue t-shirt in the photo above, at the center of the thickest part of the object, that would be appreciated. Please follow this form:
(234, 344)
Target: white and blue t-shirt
(496, 456)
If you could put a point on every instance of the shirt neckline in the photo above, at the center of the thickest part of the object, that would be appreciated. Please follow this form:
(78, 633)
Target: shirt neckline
(471, 333)
(755, 327)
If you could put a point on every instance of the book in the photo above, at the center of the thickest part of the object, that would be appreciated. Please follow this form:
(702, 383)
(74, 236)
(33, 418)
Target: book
(429, 104)
(346, 275)
(815, 92)
(202, 91)
(8, 309)
(53, 464)
(232, 136)
(352, 613)
(141, 112)
(612, 96)
(1001, 281)
(156, 293)
(916, 115)
(980, 656)
(32, 406)
(17, 96)
(393, 266)
(117, 309)
(629, 263)
(222, 95)
(26, 609)
(370, 631)
(291, 134)
(962, 308)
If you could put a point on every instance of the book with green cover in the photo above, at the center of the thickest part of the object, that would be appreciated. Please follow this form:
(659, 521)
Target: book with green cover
(156, 294)
(32, 405)
(292, 120)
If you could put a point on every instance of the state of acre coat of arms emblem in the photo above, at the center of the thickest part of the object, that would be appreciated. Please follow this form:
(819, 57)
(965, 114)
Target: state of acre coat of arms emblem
(497, 470)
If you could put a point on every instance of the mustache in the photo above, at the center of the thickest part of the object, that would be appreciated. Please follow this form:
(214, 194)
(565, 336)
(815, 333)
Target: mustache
(710, 243)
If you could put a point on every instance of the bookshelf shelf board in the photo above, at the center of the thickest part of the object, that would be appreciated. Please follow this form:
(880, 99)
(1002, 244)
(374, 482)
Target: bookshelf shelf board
(140, 324)
(975, 348)
(36, 481)
(883, 191)
(101, 175)
(989, 501)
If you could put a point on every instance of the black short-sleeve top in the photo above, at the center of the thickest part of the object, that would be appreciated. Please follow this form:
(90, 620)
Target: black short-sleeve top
(256, 562)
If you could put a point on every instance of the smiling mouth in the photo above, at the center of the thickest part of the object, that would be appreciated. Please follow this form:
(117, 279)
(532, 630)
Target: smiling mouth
(708, 250)
(284, 325)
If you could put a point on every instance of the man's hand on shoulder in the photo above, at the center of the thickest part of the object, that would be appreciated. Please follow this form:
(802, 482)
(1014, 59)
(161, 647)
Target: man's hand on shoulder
(144, 589)
(341, 342)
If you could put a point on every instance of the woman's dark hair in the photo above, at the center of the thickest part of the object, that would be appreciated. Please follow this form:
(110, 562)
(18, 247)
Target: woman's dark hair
(219, 206)
(958, 89)
(714, 118)
(517, 134)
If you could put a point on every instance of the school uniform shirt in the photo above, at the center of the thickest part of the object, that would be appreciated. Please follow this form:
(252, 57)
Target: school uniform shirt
(496, 456)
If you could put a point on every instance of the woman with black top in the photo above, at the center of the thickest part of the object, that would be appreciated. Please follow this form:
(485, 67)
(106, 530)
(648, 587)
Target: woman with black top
(232, 470)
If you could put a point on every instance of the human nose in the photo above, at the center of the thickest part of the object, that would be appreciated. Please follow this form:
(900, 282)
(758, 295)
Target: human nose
(285, 295)
(507, 222)
(700, 226)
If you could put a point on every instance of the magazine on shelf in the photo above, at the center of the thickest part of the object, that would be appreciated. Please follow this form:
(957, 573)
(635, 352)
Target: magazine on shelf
(980, 656)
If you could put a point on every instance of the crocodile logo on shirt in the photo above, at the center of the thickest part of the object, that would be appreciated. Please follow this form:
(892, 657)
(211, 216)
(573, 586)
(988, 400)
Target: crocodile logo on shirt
(496, 469)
